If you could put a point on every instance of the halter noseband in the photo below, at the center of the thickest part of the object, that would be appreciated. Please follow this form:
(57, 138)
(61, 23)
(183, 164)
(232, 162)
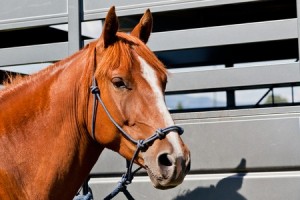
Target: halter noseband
(141, 144)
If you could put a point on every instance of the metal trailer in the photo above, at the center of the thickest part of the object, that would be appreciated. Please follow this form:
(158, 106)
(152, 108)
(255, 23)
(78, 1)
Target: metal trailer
(224, 49)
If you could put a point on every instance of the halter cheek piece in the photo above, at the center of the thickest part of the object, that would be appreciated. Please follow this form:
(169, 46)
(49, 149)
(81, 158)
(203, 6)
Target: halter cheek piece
(141, 145)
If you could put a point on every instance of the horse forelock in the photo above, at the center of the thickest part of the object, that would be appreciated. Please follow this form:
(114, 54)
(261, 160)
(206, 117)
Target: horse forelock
(122, 54)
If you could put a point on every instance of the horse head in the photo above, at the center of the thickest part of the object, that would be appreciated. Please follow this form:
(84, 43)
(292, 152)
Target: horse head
(132, 82)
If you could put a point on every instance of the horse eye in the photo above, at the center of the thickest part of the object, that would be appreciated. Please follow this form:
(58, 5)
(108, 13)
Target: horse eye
(118, 83)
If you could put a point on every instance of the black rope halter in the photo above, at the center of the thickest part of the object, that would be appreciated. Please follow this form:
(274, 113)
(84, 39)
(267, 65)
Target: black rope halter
(141, 145)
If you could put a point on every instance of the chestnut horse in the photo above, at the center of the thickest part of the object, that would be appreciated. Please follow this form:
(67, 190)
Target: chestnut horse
(47, 147)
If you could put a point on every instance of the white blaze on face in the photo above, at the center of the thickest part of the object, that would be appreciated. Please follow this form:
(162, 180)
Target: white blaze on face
(151, 77)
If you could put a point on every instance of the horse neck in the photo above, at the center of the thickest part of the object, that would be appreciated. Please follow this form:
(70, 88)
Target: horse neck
(43, 126)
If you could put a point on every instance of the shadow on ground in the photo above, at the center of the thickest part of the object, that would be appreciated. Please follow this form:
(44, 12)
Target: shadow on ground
(225, 189)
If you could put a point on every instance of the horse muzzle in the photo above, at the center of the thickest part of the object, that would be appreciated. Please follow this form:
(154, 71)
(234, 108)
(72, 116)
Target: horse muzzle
(169, 170)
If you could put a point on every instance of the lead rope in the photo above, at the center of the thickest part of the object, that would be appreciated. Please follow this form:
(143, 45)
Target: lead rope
(141, 144)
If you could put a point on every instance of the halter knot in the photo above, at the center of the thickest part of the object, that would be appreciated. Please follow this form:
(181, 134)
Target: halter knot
(94, 89)
(160, 134)
(123, 182)
(141, 144)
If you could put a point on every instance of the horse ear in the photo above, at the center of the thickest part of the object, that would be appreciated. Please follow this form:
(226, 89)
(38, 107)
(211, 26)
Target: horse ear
(110, 28)
(143, 29)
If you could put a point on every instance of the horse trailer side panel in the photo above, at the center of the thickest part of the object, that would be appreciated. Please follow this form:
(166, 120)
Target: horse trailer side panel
(18, 14)
(264, 142)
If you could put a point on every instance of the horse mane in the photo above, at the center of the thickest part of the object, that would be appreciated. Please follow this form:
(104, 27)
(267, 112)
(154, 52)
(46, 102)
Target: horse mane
(14, 82)
(118, 54)
(12, 79)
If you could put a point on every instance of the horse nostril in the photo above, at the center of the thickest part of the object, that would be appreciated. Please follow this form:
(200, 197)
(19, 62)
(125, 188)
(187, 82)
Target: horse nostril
(165, 160)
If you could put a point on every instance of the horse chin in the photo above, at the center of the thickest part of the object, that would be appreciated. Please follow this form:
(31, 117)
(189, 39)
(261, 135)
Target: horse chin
(161, 181)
